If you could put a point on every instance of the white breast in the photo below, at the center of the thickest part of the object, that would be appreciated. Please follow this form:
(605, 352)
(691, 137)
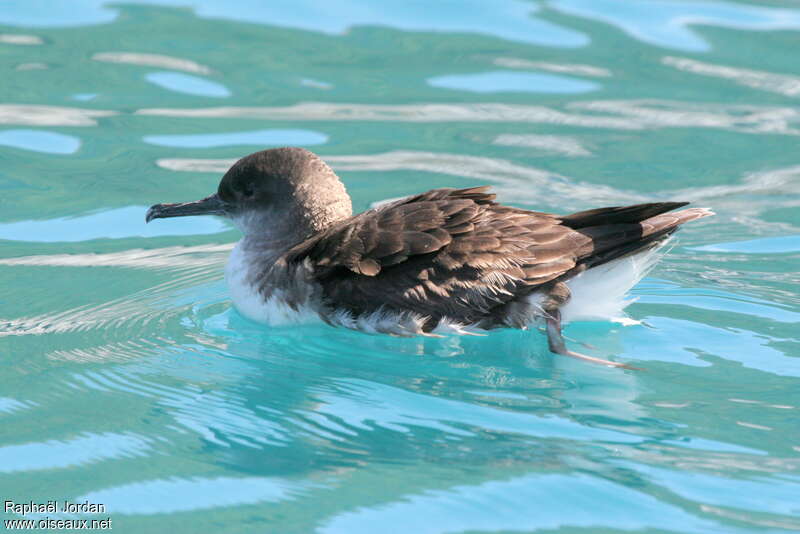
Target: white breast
(249, 302)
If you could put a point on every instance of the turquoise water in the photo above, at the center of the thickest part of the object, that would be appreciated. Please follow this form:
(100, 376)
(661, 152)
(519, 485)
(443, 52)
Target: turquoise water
(127, 380)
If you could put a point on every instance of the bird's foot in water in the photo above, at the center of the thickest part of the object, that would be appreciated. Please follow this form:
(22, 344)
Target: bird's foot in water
(556, 343)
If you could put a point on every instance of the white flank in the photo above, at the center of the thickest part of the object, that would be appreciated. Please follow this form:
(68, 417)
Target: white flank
(599, 293)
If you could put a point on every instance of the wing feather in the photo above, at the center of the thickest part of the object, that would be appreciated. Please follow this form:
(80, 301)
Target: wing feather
(446, 253)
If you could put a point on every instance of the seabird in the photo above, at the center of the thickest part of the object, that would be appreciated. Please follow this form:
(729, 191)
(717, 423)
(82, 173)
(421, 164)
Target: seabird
(447, 260)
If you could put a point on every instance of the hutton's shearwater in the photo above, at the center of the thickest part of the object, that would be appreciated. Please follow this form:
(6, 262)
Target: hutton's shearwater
(448, 260)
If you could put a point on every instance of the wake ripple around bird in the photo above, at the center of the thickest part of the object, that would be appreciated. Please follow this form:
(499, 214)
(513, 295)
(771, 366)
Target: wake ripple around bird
(139, 312)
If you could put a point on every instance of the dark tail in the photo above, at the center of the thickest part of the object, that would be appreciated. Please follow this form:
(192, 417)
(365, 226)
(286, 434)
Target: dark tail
(619, 214)
(619, 231)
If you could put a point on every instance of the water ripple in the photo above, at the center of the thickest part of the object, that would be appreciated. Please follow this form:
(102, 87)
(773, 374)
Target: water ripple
(152, 60)
(261, 138)
(20, 39)
(208, 419)
(129, 314)
(172, 258)
(666, 23)
(619, 114)
(512, 82)
(508, 19)
(561, 68)
(40, 141)
(9, 405)
(765, 245)
(697, 341)
(85, 449)
(559, 144)
(766, 81)
(34, 115)
(219, 417)
(188, 84)
(561, 501)
(163, 496)
(109, 224)
(362, 404)
(757, 494)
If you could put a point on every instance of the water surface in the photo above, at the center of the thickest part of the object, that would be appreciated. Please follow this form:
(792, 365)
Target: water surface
(127, 379)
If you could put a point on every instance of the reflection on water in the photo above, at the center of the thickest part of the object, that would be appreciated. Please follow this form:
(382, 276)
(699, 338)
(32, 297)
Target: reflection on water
(666, 23)
(368, 406)
(612, 114)
(512, 82)
(766, 81)
(564, 68)
(34, 115)
(40, 141)
(152, 60)
(181, 495)
(158, 258)
(74, 452)
(44, 14)
(507, 19)
(32, 66)
(187, 83)
(127, 378)
(767, 245)
(112, 224)
(259, 138)
(20, 39)
(563, 501)
(84, 97)
(308, 82)
(569, 146)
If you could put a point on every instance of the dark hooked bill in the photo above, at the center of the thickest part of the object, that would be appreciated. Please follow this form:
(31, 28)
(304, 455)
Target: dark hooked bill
(211, 205)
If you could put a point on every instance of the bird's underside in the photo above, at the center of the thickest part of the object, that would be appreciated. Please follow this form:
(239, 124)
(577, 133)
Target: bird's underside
(457, 257)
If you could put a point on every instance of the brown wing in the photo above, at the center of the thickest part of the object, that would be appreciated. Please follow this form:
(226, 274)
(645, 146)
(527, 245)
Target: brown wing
(447, 252)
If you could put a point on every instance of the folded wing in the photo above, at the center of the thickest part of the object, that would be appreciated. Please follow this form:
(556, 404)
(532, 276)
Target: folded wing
(446, 253)
(456, 253)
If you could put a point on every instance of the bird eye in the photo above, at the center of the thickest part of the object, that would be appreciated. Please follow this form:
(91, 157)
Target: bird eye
(247, 190)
